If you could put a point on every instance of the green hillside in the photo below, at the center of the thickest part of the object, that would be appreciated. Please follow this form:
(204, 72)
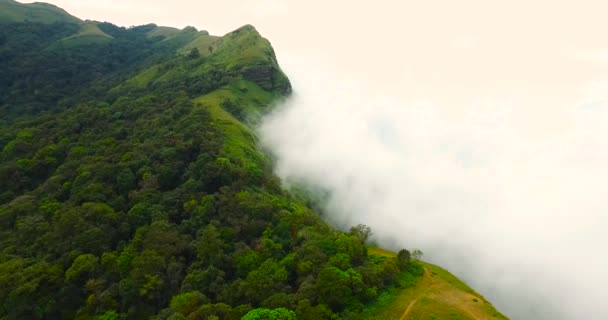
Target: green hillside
(162, 32)
(13, 11)
(132, 186)
(436, 295)
(89, 33)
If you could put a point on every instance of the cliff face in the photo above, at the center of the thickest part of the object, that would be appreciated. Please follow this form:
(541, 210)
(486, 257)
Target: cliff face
(266, 77)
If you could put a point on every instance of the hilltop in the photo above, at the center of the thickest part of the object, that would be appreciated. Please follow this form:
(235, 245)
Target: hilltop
(436, 295)
(12, 11)
(133, 186)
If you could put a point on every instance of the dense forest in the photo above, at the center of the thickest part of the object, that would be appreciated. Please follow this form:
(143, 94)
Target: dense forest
(132, 186)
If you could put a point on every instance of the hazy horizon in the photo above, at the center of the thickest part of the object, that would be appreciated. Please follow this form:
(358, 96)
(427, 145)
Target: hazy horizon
(475, 131)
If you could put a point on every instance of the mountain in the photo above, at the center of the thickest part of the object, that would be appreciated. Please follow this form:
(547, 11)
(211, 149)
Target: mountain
(13, 11)
(132, 185)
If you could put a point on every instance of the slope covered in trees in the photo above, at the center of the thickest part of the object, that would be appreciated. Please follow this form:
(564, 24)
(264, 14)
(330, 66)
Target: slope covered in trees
(132, 187)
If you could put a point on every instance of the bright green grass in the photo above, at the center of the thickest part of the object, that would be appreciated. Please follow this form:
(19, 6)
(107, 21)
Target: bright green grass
(436, 295)
(12, 11)
(375, 251)
(449, 278)
(89, 33)
(430, 309)
(163, 32)
(242, 47)
(202, 42)
(391, 303)
(143, 78)
(183, 36)
(393, 300)
(226, 54)
(254, 100)
(239, 139)
(91, 28)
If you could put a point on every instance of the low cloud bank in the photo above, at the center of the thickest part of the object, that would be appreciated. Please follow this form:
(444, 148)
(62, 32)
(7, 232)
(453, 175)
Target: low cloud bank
(505, 189)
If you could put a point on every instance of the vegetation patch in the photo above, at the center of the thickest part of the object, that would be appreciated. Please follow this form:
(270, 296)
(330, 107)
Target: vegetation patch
(13, 11)
(437, 294)
(89, 33)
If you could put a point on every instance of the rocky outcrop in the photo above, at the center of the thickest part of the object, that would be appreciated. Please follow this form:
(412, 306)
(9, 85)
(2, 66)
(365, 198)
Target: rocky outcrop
(268, 77)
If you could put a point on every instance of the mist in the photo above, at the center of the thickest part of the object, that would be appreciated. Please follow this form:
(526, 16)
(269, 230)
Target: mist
(486, 148)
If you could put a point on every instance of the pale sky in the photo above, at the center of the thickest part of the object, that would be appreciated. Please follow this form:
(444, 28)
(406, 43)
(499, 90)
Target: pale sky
(475, 130)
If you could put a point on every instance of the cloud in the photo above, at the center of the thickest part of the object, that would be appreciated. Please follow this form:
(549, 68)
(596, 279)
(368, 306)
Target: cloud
(503, 187)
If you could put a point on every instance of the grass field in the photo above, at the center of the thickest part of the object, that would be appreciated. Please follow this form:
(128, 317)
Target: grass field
(240, 140)
(437, 295)
(163, 32)
(203, 42)
(89, 33)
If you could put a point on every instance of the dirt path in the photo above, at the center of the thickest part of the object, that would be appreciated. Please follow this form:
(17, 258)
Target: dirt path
(427, 276)
(471, 314)
(437, 293)
(409, 308)
(430, 283)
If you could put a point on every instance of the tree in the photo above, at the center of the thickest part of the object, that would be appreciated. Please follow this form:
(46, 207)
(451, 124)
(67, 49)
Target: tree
(351, 246)
(362, 232)
(417, 254)
(339, 288)
(306, 311)
(188, 302)
(209, 247)
(82, 265)
(109, 315)
(194, 53)
(270, 314)
(269, 278)
(403, 259)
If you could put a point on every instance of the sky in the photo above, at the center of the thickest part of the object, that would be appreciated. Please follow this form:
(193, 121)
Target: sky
(473, 130)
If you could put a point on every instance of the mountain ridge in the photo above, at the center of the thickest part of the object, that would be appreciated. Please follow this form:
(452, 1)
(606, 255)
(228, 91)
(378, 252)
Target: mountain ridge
(13, 11)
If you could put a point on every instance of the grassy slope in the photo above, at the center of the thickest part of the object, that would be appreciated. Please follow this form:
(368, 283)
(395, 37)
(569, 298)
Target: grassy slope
(252, 48)
(89, 33)
(240, 140)
(203, 42)
(251, 99)
(12, 11)
(234, 53)
(437, 295)
(163, 32)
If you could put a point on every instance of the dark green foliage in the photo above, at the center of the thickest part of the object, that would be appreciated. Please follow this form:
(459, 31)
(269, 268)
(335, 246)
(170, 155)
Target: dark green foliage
(403, 259)
(270, 314)
(37, 70)
(306, 311)
(194, 53)
(131, 186)
(188, 302)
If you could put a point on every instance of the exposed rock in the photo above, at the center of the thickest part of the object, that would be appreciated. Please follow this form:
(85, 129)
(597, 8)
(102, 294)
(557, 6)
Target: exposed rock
(267, 77)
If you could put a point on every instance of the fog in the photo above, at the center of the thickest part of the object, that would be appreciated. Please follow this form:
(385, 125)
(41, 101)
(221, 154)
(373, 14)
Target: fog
(483, 144)
(512, 203)
(473, 130)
